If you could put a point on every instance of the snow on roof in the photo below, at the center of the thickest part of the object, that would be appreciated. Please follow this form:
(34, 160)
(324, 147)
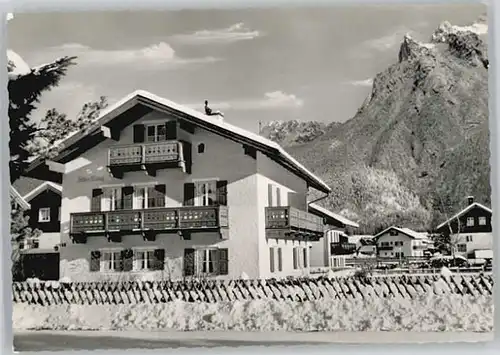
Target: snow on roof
(46, 185)
(483, 254)
(333, 215)
(462, 212)
(409, 232)
(108, 114)
(18, 198)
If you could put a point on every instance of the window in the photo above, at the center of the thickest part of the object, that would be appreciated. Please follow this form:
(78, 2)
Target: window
(280, 260)
(393, 232)
(482, 221)
(112, 200)
(295, 259)
(111, 261)
(468, 238)
(470, 221)
(156, 133)
(205, 193)
(44, 214)
(304, 255)
(201, 148)
(208, 261)
(148, 197)
(144, 260)
(462, 248)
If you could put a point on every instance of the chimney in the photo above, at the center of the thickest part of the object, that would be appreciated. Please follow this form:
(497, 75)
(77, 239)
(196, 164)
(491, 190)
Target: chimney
(470, 200)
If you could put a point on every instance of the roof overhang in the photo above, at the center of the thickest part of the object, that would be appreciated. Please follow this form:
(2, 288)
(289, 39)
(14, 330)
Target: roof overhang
(139, 103)
(462, 212)
(41, 188)
(331, 217)
(18, 198)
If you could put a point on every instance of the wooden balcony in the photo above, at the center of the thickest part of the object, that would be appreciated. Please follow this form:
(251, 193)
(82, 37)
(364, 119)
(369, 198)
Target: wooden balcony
(342, 248)
(149, 157)
(386, 247)
(283, 222)
(149, 222)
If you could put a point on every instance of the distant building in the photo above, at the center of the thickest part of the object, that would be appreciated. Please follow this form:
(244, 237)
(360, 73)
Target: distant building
(470, 231)
(330, 250)
(395, 242)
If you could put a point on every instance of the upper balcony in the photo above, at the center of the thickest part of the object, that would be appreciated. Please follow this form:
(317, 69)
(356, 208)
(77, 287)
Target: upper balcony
(290, 221)
(149, 222)
(385, 247)
(149, 157)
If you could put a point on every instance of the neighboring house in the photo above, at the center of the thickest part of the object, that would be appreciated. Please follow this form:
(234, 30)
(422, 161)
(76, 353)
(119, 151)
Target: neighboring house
(39, 255)
(395, 242)
(18, 201)
(330, 251)
(470, 230)
(155, 189)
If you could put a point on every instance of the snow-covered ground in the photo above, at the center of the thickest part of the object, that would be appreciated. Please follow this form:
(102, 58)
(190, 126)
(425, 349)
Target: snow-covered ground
(427, 313)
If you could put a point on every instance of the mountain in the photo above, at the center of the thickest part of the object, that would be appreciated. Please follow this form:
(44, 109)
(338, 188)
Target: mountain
(420, 142)
(288, 133)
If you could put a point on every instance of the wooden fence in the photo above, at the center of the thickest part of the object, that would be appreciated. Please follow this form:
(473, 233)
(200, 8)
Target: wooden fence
(51, 293)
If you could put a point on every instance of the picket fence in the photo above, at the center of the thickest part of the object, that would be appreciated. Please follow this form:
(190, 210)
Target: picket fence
(307, 289)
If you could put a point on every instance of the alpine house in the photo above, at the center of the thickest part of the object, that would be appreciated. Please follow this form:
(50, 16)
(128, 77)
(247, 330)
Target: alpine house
(157, 190)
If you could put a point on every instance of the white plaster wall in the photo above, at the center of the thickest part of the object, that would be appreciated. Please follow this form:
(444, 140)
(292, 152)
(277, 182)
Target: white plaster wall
(479, 241)
(321, 250)
(287, 247)
(223, 159)
(49, 240)
(293, 193)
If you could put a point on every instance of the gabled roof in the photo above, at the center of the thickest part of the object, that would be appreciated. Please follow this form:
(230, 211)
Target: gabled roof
(78, 141)
(26, 184)
(18, 198)
(407, 231)
(464, 211)
(41, 188)
(317, 209)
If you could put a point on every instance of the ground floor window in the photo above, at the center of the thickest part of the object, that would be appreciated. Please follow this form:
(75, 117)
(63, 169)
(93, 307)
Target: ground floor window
(275, 259)
(144, 260)
(111, 261)
(203, 262)
(116, 260)
(300, 258)
(462, 248)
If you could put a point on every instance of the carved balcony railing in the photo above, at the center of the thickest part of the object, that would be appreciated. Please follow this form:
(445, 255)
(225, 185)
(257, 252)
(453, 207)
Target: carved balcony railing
(342, 248)
(156, 220)
(149, 157)
(290, 221)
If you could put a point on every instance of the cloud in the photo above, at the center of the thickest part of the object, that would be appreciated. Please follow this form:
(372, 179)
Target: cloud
(270, 101)
(154, 55)
(388, 41)
(234, 33)
(366, 82)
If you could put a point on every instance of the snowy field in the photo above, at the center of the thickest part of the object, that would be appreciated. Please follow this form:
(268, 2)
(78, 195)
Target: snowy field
(91, 340)
(427, 313)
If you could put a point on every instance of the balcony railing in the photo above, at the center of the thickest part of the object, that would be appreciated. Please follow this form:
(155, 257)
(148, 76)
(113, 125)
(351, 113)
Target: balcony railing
(144, 154)
(342, 248)
(420, 247)
(385, 247)
(293, 219)
(154, 219)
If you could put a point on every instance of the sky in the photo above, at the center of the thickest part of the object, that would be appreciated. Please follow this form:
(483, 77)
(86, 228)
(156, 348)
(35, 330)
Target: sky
(254, 65)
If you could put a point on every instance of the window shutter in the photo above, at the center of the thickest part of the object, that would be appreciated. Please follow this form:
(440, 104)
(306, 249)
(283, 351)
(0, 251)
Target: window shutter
(270, 195)
(189, 257)
(189, 194)
(159, 259)
(95, 202)
(223, 261)
(305, 256)
(171, 130)
(139, 133)
(127, 260)
(271, 259)
(160, 195)
(278, 196)
(280, 259)
(222, 193)
(95, 260)
(295, 261)
(127, 197)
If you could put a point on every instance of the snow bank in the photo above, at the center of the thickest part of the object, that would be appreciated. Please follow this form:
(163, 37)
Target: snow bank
(425, 313)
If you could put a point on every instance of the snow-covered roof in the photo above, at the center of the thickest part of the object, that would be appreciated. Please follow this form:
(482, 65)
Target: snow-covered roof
(409, 232)
(160, 103)
(464, 211)
(46, 185)
(18, 198)
(323, 211)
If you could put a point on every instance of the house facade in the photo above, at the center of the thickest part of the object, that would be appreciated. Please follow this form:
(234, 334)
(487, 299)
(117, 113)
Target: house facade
(395, 242)
(331, 250)
(470, 230)
(157, 190)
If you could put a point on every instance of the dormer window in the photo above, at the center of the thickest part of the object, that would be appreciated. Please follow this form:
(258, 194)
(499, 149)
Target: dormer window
(482, 221)
(470, 221)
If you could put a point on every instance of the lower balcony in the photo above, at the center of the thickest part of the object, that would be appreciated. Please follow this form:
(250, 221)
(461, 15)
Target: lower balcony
(342, 248)
(290, 222)
(149, 222)
(385, 247)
